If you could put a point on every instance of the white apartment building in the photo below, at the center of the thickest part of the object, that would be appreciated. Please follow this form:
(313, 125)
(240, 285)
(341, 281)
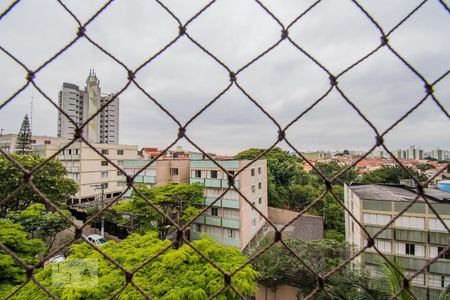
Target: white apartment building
(81, 105)
(415, 237)
(40, 144)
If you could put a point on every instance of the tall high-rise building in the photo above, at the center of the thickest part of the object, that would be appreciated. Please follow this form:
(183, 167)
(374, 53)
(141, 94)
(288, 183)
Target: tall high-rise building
(80, 105)
(437, 154)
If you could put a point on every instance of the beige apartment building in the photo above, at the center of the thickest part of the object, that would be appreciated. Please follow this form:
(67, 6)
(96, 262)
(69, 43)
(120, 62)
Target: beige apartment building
(415, 237)
(231, 220)
(91, 171)
(40, 144)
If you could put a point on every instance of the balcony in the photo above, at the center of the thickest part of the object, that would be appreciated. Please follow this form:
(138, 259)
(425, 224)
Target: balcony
(234, 224)
(226, 164)
(69, 157)
(214, 221)
(212, 182)
(231, 242)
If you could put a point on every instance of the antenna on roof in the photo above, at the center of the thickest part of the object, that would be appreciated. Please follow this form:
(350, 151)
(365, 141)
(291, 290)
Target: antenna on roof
(31, 112)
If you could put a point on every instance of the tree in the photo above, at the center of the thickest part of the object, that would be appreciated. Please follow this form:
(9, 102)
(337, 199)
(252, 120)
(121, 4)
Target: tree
(331, 169)
(278, 266)
(40, 223)
(175, 274)
(424, 167)
(282, 169)
(181, 202)
(23, 141)
(391, 174)
(49, 179)
(14, 237)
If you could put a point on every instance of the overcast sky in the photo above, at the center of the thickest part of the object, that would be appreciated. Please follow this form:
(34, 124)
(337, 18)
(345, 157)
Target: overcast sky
(285, 82)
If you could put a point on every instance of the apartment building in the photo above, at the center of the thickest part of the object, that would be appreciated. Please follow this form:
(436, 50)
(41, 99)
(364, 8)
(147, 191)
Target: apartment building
(92, 172)
(160, 172)
(231, 220)
(416, 236)
(38, 144)
(80, 105)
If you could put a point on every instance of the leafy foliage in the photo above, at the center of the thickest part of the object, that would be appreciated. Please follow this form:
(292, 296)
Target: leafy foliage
(23, 141)
(39, 222)
(391, 175)
(49, 179)
(180, 202)
(176, 274)
(333, 168)
(14, 237)
(278, 266)
(283, 168)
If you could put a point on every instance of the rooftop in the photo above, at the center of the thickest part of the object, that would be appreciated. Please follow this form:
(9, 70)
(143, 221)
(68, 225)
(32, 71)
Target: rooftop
(397, 193)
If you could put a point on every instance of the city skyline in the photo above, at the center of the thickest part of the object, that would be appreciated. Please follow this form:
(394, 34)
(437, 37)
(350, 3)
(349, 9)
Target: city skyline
(184, 79)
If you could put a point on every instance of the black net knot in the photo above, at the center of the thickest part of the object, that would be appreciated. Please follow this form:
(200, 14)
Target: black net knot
(182, 30)
(81, 31)
(429, 88)
(384, 40)
(281, 135)
(232, 77)
(230, 180)
(181, 132)
(78, 133)
(333, 80)
(277, 236)
(379, 140)
(370, 242)
(227, 279)
(27, 176)
(30, 75)
(128, 276)
(129, 181)
(131, 75)
(284, 34)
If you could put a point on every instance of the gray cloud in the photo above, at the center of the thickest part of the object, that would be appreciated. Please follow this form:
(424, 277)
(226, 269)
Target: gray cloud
(285, 82)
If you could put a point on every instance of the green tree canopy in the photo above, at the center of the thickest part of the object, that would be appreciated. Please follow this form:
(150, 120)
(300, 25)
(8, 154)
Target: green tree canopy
(391, 174)
(50, 180)
(176, 274)
(282, 169)
(14, 237)
(23, 141)
(40, 223)
(181, 202)
(331, 169)
(278, 266)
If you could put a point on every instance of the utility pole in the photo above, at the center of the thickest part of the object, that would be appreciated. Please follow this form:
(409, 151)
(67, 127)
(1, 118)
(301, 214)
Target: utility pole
(101, 186)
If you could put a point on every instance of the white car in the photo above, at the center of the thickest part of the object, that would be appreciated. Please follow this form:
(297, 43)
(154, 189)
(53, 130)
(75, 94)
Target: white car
(54, 259)
(97, 239)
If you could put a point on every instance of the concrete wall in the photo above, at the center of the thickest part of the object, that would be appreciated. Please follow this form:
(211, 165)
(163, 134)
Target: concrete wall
(163, 175)
(284, 292)
(307, 227)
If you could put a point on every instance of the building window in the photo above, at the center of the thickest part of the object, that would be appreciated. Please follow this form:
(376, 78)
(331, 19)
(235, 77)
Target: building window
(436, 280)
(197, 174)
(254, 222)
(214, 174)
(253, 189)
(198, 227)
(120, 162)
(119, 173)
(119, 152)
(33, 141)
(260, 200)
(231, 233)
(410, 222)
(259, 170)
(383, 246)
(104, 174)
(252, 172)
(229, 213)
(214, 211)
(436, 224)
(418, 280)
(376, 219)
(105, 151)
(104, 163)
(411, 249)
(173, 171)
(260, 185)
(46, 142)
(212, 230)
(435, 250)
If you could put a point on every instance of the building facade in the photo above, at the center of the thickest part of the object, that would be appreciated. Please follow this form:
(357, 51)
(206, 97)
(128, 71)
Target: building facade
(93, 173)
(39, 144)
(231, 220)
(415, 237)
(80, 105)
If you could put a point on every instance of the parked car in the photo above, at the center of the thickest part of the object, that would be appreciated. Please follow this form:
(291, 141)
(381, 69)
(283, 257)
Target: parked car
(55, 259)
(97, 239)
